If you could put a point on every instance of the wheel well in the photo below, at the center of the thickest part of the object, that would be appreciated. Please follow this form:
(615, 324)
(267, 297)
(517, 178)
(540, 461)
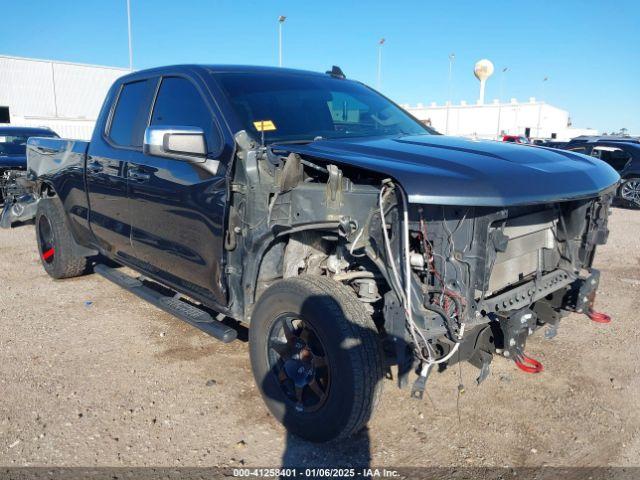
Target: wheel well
(276, 262)
(320, 253)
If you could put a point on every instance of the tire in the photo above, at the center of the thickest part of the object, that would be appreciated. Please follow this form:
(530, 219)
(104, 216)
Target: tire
(629, 191)
(56, 246)
(346, 364)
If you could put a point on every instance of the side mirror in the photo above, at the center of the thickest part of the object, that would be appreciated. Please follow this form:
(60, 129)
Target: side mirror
(182, 143)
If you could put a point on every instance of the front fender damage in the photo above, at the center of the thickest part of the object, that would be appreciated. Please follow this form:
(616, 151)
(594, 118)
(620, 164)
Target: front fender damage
(443, 283)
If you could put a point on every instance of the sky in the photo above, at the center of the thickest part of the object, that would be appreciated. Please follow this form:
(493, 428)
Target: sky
(589, 51)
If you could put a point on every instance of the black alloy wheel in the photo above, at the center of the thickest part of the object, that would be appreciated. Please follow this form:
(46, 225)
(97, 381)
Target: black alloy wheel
(298, 359)
(56, 245)
(316, 357)
(47, 243)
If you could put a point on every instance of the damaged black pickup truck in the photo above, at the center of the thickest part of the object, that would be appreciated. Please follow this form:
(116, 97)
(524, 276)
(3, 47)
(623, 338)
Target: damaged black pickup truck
(354, 244)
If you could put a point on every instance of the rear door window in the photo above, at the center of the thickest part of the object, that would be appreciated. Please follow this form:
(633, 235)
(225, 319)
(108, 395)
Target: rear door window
(131, 114)
(614, 156)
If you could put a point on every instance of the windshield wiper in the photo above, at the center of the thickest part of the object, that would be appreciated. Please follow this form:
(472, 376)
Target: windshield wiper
(298, 142)
(271, 149)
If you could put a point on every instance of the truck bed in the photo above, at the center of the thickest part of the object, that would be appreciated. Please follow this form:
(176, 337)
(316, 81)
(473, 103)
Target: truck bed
(46, 156)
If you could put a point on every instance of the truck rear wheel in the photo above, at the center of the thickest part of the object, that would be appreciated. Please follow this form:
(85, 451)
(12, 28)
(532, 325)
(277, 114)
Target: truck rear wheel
(316, 357)
(55, 243)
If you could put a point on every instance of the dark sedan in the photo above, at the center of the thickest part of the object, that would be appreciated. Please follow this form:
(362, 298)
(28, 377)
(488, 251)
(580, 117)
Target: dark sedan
(13, 145)
(622, 155)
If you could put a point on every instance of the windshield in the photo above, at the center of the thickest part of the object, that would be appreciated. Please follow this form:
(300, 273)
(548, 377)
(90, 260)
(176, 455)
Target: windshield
(16, 144)
(286, 107)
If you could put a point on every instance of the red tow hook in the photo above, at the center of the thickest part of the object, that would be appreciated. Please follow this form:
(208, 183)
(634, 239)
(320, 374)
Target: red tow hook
(528, 364)
(598, 317)
(46, 255)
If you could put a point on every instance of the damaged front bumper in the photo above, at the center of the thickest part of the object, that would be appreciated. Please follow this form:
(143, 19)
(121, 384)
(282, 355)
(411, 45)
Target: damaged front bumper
(530, 307)
(501, 274)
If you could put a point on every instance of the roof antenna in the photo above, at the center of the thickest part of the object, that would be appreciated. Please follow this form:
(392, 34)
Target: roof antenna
(336, 72)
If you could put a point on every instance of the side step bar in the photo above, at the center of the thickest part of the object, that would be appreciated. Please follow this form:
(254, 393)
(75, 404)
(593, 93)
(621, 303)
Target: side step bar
(176, 307)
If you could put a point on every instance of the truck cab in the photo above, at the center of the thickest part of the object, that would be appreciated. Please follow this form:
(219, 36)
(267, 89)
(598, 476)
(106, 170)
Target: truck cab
(161, 211)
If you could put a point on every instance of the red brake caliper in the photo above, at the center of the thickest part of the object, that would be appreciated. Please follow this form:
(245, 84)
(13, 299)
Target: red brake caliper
(47, 254)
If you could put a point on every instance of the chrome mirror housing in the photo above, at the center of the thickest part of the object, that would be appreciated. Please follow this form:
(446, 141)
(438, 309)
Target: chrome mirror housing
(178, 142)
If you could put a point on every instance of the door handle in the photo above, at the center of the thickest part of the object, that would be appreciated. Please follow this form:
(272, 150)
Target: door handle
(94, 167)
(137, 175)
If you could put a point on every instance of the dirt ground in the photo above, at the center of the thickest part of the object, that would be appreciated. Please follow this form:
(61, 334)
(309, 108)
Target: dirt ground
(92, 376)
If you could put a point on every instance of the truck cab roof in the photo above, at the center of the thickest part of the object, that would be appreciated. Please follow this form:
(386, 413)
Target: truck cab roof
(212, 68)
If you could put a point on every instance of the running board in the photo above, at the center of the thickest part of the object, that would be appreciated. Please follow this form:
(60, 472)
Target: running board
(176, 307)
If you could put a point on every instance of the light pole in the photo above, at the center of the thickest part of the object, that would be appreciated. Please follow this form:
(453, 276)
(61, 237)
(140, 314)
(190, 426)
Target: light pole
(502, 75)
(504, 70)
(452, 57)
(380, 43)
(129, 30)
(544, 80)
(281, 20)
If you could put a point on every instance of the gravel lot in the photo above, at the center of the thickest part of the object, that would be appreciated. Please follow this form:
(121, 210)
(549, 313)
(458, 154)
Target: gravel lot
(116, 382)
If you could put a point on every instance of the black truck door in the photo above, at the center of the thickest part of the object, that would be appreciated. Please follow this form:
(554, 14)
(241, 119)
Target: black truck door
(177, 205)
(106, 166)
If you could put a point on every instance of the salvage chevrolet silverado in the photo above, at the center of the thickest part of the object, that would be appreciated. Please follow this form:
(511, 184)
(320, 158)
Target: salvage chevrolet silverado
(350, 240)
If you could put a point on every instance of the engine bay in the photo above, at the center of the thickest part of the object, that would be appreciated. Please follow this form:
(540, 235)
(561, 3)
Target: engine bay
(443, 283)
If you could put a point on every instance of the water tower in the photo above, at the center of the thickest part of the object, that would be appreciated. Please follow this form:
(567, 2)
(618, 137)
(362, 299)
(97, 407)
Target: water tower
(483, 70)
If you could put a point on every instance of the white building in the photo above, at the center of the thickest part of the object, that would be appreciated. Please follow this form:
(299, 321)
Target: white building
(65, 97)
(534, 119)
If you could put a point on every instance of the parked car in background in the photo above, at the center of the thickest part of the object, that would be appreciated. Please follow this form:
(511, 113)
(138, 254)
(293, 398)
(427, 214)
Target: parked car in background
(548, 142)
(13, 145)
(604, 138)
(516, 139)
(623, 154)
(13, 165)
(554, 143)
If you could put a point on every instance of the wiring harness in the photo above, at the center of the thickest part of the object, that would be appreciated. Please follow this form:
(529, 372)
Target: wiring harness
(402, 285)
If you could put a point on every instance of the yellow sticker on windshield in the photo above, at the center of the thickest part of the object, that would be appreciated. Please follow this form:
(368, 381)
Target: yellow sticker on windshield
(264, 126)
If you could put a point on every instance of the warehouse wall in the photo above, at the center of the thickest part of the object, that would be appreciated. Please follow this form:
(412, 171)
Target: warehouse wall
(63, 96)
(492, 120)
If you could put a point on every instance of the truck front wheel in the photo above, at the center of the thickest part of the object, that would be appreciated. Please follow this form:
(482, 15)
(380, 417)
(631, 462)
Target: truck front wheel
(55, 243)
(316, 357)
